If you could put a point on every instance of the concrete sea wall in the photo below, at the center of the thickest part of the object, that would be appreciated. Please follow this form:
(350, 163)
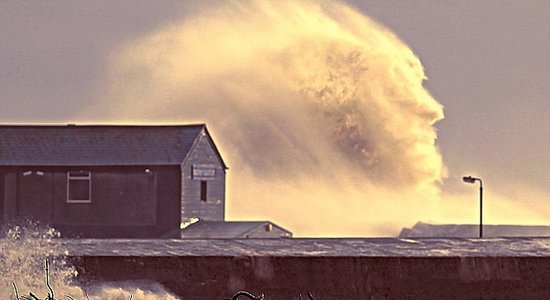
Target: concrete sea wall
(337, 277)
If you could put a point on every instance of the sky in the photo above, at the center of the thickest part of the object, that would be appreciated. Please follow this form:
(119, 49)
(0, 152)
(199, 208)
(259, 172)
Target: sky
(486, 62)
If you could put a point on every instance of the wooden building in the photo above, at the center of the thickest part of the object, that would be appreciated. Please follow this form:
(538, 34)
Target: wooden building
(116, 181)
(110, 181)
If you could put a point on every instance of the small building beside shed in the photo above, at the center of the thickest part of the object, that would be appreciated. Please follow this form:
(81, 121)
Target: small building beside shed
(234, 229)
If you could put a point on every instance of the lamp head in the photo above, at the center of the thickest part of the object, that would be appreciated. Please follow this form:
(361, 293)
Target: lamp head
(469, 179)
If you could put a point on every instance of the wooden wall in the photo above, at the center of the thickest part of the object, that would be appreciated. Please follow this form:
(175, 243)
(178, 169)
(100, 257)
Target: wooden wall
(10, 195)
(125, 201)
(213, 209)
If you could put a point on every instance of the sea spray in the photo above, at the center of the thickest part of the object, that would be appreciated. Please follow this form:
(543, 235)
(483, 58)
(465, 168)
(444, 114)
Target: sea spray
(311, 99)
(25, 248)
(23, 251)
(140, 290)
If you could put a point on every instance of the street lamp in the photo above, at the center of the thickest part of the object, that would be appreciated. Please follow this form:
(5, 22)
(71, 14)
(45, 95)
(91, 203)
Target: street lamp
(470, 179)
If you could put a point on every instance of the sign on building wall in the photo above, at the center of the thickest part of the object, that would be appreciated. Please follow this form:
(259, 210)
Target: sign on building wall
(204, 172)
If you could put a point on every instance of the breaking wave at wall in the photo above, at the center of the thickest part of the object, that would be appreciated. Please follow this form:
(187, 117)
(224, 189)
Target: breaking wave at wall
(313, 100)
(23, 252)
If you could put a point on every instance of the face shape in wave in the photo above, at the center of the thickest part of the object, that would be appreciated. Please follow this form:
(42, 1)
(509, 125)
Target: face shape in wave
(293, 91)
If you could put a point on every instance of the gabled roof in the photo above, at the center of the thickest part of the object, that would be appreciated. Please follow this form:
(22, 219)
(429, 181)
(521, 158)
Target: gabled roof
(97, 145)
(232, 229)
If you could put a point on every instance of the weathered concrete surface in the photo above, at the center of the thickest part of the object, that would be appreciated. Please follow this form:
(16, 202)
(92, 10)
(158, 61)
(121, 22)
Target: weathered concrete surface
(338, 277)
(311, 247)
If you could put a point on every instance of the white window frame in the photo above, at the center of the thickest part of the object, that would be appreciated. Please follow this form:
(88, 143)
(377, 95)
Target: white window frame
(82, 175)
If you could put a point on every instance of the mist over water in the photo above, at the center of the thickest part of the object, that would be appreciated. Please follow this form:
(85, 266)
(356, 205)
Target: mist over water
(310, 99)
(23, 252)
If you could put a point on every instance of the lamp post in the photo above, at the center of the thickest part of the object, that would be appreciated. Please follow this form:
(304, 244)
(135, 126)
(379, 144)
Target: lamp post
(470, 179)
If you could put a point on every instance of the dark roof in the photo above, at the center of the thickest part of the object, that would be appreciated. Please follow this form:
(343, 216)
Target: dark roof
(98, 145)
(226, 229)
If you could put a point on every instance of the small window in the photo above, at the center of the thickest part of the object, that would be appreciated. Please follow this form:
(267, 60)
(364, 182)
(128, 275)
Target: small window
(204, 189)
(79, 187)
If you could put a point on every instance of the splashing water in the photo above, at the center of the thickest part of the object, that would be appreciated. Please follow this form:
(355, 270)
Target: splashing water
(23, 251)
(311, 99)
(25, 248)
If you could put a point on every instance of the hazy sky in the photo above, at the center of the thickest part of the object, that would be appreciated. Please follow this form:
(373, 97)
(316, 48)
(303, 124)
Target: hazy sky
(488, 64)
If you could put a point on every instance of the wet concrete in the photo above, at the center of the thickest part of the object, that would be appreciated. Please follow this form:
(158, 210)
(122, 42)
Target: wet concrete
(330, 277)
